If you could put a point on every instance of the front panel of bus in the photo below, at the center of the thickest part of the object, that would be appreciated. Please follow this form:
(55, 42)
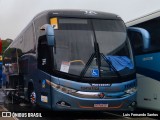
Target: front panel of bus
(92, 66)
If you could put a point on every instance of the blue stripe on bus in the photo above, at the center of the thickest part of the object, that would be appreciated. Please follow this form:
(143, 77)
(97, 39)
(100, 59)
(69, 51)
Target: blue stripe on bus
(149, 73)
(149, 61)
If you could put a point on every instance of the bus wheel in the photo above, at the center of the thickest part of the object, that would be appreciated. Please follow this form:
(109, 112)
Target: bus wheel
(33, 98)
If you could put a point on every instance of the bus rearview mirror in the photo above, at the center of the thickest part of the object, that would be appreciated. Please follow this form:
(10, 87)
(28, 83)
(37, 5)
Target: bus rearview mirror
(49, 32)
(145, 36)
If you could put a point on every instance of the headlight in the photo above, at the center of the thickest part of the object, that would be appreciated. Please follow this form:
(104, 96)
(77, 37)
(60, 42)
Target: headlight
(75, 92)
(131, 90)
(63, 89)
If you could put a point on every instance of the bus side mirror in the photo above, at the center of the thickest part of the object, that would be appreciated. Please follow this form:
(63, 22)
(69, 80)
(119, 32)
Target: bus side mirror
(49, 32)
(145, 36)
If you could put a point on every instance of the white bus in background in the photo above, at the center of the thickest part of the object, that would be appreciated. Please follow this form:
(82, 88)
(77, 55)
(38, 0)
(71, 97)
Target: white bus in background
(144, 34)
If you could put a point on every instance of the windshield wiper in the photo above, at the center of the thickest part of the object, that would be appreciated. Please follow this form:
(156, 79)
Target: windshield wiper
(97, 55)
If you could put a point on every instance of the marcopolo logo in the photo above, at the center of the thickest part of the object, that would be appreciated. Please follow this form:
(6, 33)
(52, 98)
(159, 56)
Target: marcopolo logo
(90, 12)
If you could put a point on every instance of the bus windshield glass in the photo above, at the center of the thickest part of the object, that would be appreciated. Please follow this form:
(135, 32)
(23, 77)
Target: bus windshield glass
(75, 52)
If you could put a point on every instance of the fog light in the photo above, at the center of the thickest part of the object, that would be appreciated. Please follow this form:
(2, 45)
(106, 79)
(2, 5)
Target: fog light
(133, 103)
(129, 106)
(131, 90)
(63, 104)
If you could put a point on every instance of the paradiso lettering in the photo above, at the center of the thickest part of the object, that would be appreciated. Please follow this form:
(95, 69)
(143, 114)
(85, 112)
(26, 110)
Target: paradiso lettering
(90, 88)
(101, 85)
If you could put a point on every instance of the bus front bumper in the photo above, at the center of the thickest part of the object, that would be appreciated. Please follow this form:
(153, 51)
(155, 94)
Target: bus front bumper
(64, 101)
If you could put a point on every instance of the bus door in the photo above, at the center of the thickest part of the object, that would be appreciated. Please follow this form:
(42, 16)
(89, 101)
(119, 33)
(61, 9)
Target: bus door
(44, 62)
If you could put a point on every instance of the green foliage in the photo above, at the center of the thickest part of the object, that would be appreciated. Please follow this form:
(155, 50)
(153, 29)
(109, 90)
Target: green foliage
(5, 44)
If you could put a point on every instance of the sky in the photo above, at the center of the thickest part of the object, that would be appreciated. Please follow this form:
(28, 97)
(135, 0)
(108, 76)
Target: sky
(16, 14)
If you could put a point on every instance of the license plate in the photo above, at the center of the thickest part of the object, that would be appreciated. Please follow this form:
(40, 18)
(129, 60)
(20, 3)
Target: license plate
(100, 105)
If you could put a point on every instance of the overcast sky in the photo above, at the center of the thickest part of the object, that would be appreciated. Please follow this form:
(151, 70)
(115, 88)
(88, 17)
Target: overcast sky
(16, 14)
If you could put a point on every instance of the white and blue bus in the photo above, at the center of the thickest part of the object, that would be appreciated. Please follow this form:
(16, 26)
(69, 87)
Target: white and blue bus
(74, 60)
(145, 37)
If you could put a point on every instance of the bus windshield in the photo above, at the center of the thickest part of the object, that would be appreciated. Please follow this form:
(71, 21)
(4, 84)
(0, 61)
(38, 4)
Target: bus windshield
(75, 51)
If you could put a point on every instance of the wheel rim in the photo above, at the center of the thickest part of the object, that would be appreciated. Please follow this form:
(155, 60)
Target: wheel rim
(33, 97)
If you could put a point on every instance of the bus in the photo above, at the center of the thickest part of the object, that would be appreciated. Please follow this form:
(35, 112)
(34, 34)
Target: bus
(144, 35)
(74, 60)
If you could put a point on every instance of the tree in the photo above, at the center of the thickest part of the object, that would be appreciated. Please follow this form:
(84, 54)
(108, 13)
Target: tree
(5, 44)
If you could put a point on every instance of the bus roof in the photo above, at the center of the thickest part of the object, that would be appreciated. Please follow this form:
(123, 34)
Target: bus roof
(82, 14)
(72, 13)
(144, 18)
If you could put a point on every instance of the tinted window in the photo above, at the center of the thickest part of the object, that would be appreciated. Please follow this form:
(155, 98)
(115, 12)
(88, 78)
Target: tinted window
(153, 27)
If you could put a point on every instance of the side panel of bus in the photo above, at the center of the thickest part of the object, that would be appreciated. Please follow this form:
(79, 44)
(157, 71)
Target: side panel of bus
(148, 65)
(22, 66)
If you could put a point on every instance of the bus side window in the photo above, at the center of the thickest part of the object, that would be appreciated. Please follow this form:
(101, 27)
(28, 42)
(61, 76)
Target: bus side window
(136, 41)
(43, 54)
